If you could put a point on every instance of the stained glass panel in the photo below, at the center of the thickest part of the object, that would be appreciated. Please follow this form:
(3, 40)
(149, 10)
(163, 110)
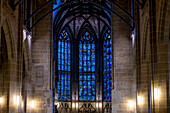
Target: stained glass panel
(87, 68)
(64, 90)
(107, 67)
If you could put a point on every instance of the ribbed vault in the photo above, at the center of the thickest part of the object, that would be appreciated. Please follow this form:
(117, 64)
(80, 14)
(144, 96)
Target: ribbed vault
(80, 15)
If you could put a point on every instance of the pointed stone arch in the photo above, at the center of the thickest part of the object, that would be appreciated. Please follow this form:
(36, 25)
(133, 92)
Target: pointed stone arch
(10, 39)
(9, 70)
(163, 21)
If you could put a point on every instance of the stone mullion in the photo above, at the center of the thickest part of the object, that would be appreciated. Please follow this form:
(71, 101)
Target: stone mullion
(112, 55)
(112, 47)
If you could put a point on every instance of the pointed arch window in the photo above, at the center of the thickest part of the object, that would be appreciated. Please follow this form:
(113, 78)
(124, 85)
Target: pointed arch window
(107, 67)
(87, 68)
(64, 65)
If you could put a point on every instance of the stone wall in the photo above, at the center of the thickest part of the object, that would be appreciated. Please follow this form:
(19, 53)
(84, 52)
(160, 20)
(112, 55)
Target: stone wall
(26, 74)
(9, 69)
(152, 56)
(41, 60)
(124, 77)
(151, 59)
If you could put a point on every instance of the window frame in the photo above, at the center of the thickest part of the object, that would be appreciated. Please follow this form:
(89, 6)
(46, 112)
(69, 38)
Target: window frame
(94, 39)
(56, 63)
(103, 73)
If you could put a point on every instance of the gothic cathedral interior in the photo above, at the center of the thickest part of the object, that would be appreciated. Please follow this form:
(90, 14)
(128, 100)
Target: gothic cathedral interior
(85, 56)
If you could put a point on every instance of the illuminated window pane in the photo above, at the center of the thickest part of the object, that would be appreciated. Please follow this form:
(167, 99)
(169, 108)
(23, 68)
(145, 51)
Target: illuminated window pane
(107, 67)
(87, 68)
(64, 90)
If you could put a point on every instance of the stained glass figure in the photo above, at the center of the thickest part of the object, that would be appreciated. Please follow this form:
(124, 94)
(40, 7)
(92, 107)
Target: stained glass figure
(64, 90)
(87, 68)
(107, 67)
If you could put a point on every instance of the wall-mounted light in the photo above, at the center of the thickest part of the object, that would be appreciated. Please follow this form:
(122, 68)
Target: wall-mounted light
(77, 105)
(73, 105)
(100, 105)
(133, 40)
(29, 37)
(24, 35)
(140, 100)
(32, 104)
(29, 40)
(22, 104)
(1, 100)
(157, 93)
(131, 104)
(16, 100)
(97, 104)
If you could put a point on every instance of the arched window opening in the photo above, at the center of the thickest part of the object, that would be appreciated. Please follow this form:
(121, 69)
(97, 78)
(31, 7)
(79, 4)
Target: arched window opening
(87, 68)
(64, 65)
(107, 67)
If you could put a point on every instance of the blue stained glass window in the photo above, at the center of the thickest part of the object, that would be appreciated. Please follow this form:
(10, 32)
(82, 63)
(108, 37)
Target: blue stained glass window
(87, 68)
(107, 67)
(64, 90)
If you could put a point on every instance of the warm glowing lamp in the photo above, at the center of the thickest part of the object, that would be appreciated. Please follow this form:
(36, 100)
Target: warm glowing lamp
(1, 100)
(73, 105)
(140, 100)
(32, 104)
(17, 101)
(76, 105)
(97, 104)
(100, 105)
(131, 104)
(157, 93)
